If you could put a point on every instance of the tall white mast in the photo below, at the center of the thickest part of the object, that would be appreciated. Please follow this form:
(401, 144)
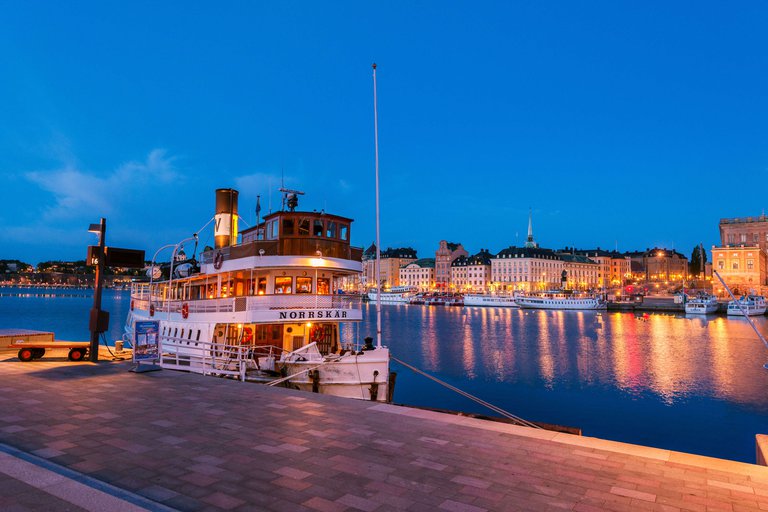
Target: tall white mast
(378, 237)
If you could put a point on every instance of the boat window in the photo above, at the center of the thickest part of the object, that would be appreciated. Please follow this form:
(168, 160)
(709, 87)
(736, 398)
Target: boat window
(287, 226)
(323, 286)
(261, 289)
(303, 285)
(198, 335)
(304, 227)
(317, 229)
(330, 231)
(343, 231)
(283, 284)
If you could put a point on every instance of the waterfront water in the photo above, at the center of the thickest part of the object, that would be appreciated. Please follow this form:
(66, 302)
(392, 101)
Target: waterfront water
(688, 384)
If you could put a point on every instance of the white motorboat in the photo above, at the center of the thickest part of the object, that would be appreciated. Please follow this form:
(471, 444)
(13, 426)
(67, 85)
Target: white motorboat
(748, 305)
(269, 308)
(559, 299)
(702, 304)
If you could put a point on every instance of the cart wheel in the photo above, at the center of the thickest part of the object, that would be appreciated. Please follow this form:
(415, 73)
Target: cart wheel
(76, 354)
(39, 352)
(26, 354)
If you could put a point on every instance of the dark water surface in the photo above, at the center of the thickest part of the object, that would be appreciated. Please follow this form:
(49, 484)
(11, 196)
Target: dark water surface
(689, 384)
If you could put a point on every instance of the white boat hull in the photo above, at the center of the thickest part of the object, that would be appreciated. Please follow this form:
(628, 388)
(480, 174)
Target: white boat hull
(572, 304)
(701, 308)
(391, 298)
(490, 300)
(751, 311)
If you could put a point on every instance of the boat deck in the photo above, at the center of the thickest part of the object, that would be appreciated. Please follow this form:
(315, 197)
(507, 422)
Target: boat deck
(91, 436)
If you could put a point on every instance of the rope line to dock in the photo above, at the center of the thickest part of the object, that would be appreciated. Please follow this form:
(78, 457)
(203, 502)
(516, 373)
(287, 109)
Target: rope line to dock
(480, 401)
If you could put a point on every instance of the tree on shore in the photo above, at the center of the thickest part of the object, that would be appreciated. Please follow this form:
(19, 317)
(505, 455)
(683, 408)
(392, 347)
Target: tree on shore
(698, 261)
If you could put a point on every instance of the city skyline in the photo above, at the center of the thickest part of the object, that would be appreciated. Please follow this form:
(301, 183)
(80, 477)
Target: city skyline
(620, 126)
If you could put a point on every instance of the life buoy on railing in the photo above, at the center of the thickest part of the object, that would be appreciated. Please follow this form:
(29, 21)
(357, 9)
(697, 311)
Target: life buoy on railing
(247, 335)
(184, 310)
(218, 260)
(151, 310)
(316, 334)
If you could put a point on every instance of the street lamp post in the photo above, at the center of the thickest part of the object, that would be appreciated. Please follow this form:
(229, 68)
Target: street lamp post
(96, 327)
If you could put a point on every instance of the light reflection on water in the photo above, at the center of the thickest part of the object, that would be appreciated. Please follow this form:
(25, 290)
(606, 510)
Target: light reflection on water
(685, 383)
(689, 384)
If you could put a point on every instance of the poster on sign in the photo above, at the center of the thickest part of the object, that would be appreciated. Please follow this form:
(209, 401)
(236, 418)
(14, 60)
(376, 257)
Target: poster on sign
(145, 341)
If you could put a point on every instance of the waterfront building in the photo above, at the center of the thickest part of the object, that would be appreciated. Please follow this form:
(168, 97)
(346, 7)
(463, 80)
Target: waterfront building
(581, 272)
(743, 268)
(525, 269)
(746, 231)
(391, 261)
(659, 265)
(446, 253)
(614, 267)
(419, 274)
(472, 273)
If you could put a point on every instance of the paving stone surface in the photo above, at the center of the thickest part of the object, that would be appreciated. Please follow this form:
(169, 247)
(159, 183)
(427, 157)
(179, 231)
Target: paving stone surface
(190, 442)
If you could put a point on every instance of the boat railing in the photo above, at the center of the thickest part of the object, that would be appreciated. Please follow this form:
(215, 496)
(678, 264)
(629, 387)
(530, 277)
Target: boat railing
(215, 358)
(251, 303)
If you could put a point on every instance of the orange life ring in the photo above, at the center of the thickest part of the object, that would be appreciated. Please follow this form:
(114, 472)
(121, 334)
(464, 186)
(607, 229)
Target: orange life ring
(218, 260)
(184, 310)
(316, 334)
(247, 335)
(151, 310)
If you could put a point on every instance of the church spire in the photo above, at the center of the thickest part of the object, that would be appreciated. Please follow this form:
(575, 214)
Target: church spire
(530, 242)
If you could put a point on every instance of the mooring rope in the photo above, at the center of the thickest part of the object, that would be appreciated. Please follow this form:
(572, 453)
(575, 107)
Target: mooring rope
(480, 401)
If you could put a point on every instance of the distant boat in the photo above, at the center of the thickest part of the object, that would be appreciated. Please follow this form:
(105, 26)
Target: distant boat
(702, 304)
(480, 299)
(749, 305)
(559, 299)
(396, 295)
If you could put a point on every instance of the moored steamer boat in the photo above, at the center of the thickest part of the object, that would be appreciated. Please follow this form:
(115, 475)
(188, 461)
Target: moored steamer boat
(395, 295)
(269, 307)
(560, 299)
(496, 300)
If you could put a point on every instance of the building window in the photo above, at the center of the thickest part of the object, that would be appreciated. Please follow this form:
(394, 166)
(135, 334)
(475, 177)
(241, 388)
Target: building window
(743, 238)
(750, 264)
(735, 265)
(721, 264)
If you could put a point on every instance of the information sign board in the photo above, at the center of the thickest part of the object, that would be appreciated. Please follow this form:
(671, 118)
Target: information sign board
(145, 334)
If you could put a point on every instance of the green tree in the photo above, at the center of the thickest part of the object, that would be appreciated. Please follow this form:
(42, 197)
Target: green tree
(698, 260)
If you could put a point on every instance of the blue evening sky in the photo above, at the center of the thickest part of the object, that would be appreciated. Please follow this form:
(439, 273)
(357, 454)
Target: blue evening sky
(629, 124)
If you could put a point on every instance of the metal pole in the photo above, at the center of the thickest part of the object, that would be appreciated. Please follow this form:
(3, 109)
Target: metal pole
(97, 285)
(743, 312)
(378, 235)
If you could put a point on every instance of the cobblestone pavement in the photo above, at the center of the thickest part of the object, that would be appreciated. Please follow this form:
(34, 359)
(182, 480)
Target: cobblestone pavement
(188, 442)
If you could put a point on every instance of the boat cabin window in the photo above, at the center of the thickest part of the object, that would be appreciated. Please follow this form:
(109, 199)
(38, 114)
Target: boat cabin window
(317, 229)
(323, 286)
(272, 230)
(303, 285)
(330, 231)
(304, 227)
(283, 284)
(261, 287)
(287, 226)
(343, 231)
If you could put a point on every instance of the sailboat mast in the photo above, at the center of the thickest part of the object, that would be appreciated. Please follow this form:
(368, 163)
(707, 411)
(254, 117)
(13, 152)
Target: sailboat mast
(378, 235)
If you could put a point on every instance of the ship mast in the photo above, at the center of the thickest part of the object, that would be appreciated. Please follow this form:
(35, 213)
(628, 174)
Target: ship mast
(378, 236)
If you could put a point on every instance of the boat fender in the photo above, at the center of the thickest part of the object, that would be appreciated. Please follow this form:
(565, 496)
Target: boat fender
(184, 310)
(151, 310)
(218, 260)
(132, 304)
